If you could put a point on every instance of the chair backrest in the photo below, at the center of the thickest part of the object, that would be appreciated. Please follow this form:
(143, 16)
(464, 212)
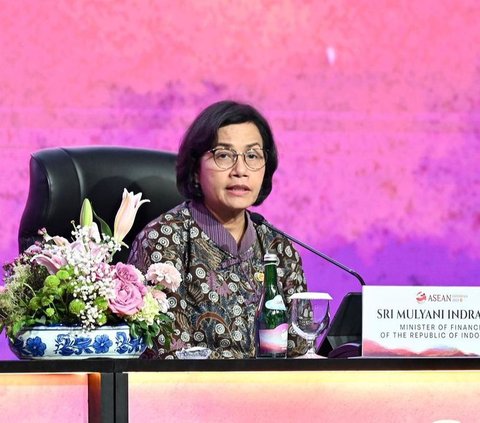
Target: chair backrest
(60, 179)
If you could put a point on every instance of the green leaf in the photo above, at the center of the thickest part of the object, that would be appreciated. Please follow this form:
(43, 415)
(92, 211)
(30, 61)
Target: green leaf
(148, 340)
(17, 327)
(164, 318)
(134, 331)
(41, 320)
(154, 329)
(104, 228)
(167, 342)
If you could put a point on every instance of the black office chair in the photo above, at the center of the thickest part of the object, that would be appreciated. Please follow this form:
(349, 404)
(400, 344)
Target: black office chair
(60, 179)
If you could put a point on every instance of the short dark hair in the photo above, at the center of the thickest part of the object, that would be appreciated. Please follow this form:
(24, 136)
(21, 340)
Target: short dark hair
(202, 135)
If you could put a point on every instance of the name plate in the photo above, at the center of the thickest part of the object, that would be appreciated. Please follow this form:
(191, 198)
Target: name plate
(420, 321)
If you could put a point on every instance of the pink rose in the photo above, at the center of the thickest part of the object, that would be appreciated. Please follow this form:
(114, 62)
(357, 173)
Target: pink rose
(164, 274)
(129, 290)
(128, 273)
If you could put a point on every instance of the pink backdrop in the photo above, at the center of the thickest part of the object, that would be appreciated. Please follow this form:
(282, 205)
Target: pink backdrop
(374, 105)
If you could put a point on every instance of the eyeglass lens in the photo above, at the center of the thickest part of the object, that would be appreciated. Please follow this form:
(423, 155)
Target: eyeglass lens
(225, 158)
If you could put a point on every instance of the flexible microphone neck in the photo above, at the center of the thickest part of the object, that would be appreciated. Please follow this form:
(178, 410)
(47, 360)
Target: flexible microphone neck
(260, 220)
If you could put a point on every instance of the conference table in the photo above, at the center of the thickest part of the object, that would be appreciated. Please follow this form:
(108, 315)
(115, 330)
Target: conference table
(274, 390)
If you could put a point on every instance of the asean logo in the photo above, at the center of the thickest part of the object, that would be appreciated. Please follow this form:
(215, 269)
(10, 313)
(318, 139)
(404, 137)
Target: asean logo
(421, 297)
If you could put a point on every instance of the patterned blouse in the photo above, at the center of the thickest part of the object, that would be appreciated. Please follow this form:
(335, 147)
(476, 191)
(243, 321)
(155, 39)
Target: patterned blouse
(217, 300)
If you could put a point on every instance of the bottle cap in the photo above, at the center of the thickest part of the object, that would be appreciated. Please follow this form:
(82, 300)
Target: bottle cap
(270, 258)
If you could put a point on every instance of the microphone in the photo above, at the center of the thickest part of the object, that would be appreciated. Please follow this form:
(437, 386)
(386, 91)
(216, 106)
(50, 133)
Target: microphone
(260, 220)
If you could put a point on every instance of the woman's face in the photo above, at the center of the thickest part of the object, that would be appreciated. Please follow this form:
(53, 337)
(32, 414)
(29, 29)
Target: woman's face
(228, 192)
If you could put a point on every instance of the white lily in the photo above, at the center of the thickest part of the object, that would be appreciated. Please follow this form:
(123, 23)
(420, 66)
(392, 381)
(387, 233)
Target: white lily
(126, 214)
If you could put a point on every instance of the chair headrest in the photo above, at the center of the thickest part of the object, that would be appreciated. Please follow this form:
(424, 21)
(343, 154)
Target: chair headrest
(60, 179)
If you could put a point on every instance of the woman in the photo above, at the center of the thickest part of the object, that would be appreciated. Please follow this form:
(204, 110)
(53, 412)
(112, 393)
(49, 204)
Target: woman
(225, 164)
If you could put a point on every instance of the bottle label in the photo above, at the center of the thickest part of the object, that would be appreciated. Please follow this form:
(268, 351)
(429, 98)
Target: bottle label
(276, 303)
(273, 340)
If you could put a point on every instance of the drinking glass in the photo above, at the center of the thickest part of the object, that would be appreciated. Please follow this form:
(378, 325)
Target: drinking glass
(310, 317)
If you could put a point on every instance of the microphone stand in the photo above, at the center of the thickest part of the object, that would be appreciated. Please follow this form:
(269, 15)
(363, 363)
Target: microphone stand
(318, 253)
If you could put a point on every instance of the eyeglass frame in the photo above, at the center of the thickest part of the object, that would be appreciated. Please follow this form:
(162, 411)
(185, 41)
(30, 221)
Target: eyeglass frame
(236, 153)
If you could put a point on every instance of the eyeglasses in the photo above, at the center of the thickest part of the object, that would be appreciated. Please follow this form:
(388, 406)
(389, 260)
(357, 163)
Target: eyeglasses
(226, 158)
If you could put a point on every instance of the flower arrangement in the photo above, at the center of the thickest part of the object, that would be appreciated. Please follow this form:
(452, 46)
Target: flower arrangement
(57, 281)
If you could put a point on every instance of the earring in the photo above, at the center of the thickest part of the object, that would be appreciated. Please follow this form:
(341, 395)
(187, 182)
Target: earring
(197, 188)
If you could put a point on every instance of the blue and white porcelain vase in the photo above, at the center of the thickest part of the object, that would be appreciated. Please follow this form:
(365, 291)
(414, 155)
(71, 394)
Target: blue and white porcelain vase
(71, 342)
